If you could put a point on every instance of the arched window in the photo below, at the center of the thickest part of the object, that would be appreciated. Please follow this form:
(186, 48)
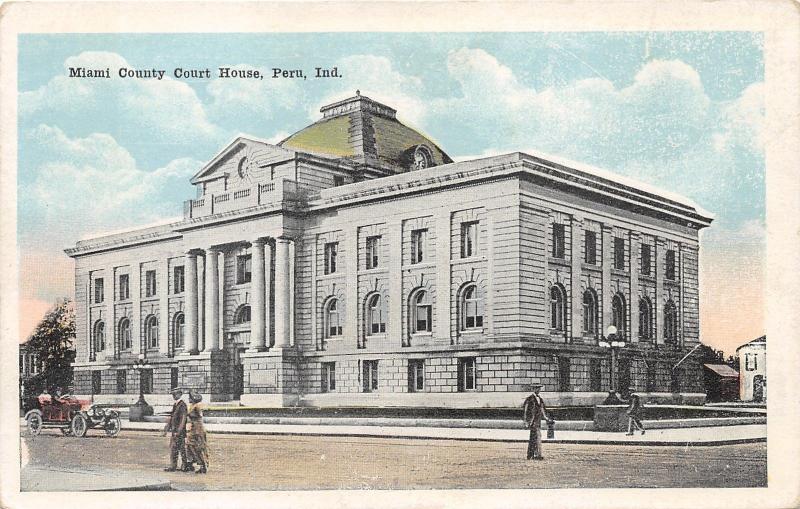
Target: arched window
(471, 308)
(242, 315)
(333, 323)
(178, 324)
(590, 312)
(670, 322)
(376, 315)
(558, 311)
(99, 335)
(151, 331)
(421, 312)
(125, 334)
(618, 316)
(645, 319)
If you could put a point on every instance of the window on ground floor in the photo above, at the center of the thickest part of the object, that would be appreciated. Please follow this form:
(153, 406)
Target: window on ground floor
(328, 376)
(416, 375)
(146, 381)
(563, 374)
(595, 375)
(467, 374)
(122, 381)
(97, 382)
(369, 376)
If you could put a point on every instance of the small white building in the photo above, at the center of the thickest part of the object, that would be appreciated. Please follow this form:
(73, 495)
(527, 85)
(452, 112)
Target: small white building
(753, 370)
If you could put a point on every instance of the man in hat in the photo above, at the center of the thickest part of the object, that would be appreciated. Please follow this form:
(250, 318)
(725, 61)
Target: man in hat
(176, 424)
(533, 413)
(634, 412)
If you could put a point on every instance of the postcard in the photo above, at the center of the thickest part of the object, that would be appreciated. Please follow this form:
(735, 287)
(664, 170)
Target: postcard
(404, 254)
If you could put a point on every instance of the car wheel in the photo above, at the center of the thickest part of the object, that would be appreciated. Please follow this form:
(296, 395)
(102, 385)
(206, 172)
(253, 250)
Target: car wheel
(113, 426)
(79, 425)
(35, 422)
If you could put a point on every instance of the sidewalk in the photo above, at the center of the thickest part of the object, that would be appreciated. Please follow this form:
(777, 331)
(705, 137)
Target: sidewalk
(712, 435)
(40, 478)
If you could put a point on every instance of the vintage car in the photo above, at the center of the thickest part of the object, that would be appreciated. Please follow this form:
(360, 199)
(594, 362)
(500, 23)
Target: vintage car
(72, 416)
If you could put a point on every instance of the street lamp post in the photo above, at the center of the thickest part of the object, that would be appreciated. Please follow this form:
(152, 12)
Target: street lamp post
(140, 409)
(611, 341)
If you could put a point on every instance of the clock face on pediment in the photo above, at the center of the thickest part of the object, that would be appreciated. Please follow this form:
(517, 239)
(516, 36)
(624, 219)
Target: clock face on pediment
(246, 165)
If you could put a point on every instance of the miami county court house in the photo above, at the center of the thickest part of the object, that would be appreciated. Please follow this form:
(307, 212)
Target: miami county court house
(354, 263)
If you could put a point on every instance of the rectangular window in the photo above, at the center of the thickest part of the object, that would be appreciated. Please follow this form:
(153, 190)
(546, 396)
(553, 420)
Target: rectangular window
(651, 378)
(173, 378)
(619, 253)
(373, 251)
(563, 374)
(122, 381)
(328, 376)
(595, 375)
(369, 377)
(244, 269)
(97, 382)
(418, 238)
(177, 279)
(469, 239)
(558, 240)
(750, 362)
(645, 260)
(590, 247)
(150, 283)
(416, 375)
(338, 180)
(124, 287)
(98, 290)
(669, 273)
(331, 248)
(146, 381)
(467, 374)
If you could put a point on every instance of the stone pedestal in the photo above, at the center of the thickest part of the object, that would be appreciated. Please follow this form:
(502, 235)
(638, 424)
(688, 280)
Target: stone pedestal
(271, 378)
(206, 373)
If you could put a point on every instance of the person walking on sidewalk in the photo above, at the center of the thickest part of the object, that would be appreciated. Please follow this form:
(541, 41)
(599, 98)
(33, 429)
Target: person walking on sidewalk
(533, 413)
(196, 441)
(634, 412)
(176, 424)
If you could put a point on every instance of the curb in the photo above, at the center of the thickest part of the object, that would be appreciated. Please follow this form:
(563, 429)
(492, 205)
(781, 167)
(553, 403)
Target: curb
(588, 441)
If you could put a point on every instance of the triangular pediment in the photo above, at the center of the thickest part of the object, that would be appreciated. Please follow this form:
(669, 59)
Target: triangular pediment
(243, 154)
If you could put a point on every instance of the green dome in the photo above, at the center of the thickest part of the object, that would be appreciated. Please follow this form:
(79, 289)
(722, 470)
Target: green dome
(367, 133)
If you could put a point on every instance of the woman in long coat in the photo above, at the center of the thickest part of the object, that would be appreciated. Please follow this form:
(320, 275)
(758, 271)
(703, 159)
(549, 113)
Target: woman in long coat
(196, 442)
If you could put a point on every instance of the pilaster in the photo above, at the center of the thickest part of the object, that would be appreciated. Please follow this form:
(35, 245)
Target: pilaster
(661, 262)
(443, 276)
(607, 254)
(635, 243)
(575, 295)
(162, 287)
(395, 309)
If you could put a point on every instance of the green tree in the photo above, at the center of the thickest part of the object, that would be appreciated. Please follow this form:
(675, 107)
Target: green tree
(53, 340)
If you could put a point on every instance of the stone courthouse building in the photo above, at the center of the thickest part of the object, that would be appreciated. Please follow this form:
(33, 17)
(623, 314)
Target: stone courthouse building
(354, 263)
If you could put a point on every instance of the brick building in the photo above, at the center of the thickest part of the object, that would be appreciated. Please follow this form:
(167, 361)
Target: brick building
(355, 263)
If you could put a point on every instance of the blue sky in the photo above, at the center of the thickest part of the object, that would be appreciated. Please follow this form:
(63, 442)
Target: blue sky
(683, 111)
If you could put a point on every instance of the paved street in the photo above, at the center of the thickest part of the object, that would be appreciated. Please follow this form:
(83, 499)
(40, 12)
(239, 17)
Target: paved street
(294, 462)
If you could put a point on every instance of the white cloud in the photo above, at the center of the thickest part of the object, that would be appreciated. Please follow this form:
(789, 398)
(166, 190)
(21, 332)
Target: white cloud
(233, 99)
(90, 183)
(168, 110)
(375, 77)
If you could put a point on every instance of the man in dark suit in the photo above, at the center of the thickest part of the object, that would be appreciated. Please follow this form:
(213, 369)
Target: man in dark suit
(176, 424)
(533, 413)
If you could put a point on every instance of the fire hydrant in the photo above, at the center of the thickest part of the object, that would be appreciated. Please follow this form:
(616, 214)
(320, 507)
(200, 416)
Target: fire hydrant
(551, 428)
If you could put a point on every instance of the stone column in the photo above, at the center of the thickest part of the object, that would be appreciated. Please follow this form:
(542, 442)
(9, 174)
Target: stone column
(191, 327)
(201, 302)
(212, 301)
(259, 308)
(283, 295)
(221, 292)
